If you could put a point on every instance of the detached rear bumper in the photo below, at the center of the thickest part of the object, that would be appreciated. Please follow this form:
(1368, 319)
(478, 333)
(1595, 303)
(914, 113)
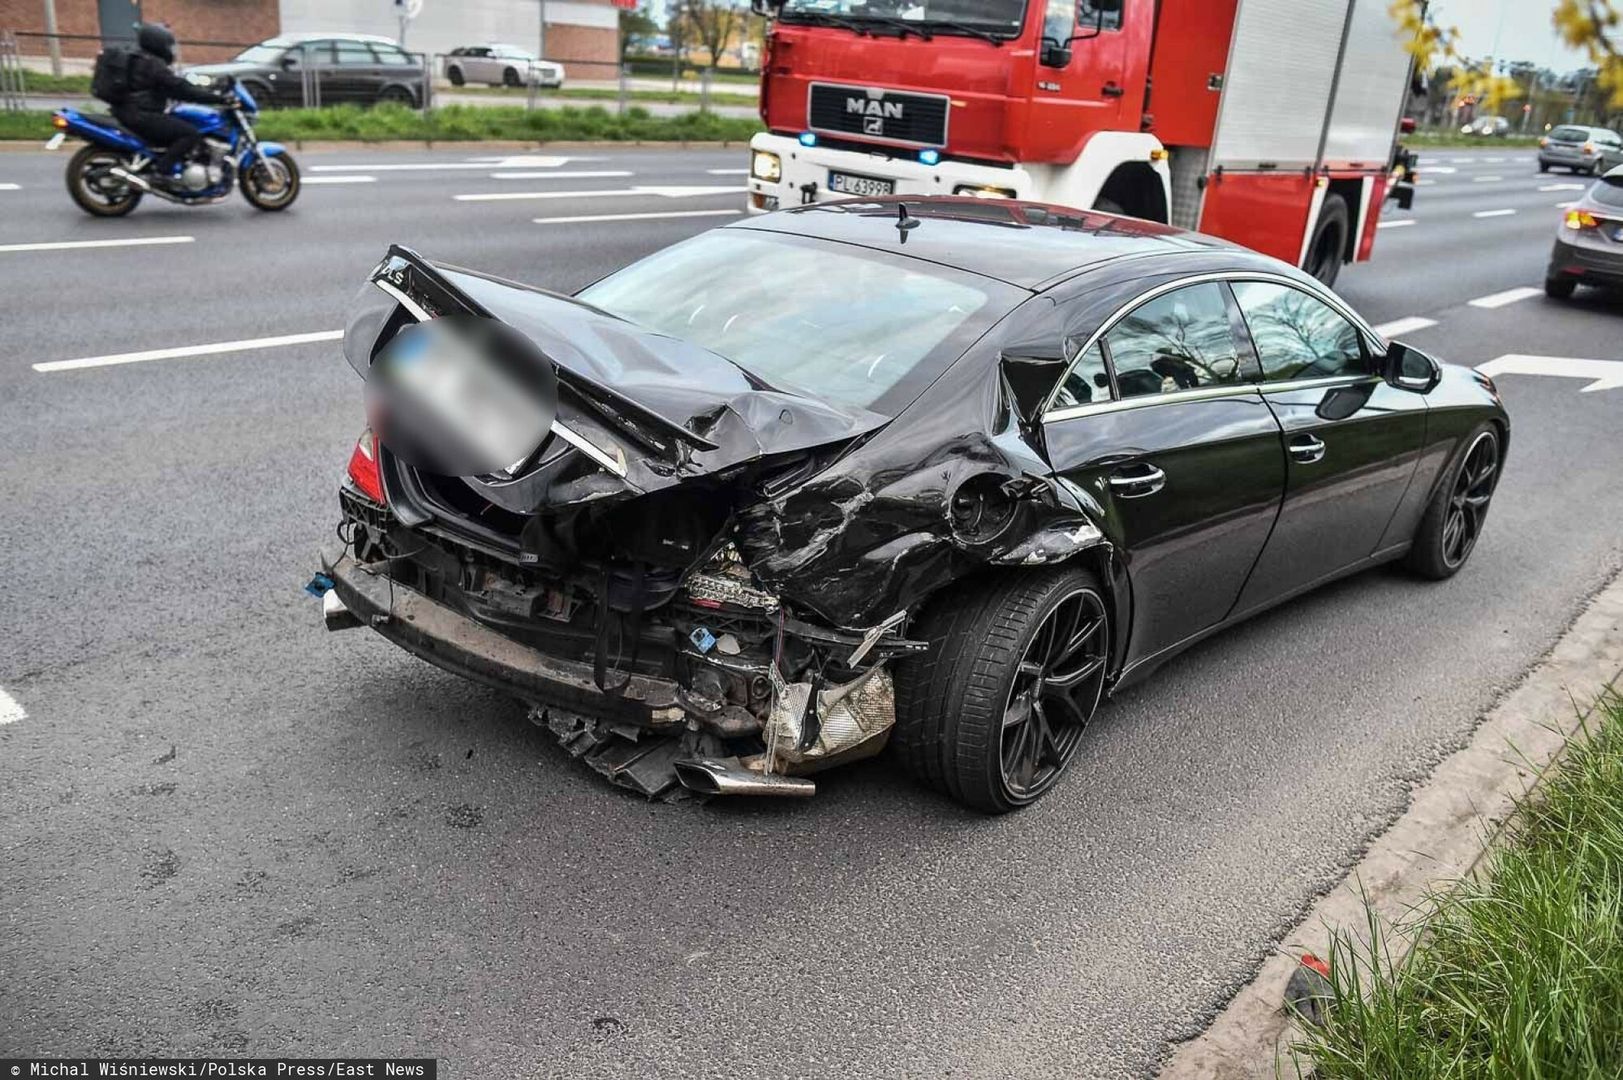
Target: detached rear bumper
(456, 643)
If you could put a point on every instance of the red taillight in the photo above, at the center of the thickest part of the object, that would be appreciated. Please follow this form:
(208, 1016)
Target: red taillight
(363, 467)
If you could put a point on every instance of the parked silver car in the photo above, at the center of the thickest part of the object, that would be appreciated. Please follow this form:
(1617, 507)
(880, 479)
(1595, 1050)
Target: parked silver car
(1589, 247)
(500, 65)
(1582, 149)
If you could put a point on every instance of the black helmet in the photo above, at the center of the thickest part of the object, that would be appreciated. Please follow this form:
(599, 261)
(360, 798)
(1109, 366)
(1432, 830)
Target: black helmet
(156, 38)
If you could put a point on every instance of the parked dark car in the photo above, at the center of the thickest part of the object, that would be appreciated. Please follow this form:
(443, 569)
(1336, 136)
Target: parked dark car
(1589, 245)
(942, 472)
(325, 69)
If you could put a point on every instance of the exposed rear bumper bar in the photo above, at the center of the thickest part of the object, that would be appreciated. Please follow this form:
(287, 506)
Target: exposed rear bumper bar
(452, 641)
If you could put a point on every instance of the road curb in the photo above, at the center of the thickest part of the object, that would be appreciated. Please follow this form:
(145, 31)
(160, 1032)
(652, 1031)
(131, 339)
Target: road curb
(1438, 839)
(453, 144)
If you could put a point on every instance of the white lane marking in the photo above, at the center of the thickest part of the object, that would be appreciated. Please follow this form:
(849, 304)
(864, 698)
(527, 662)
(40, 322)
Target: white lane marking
(662, 192)
(728, 172)
(1493, 213)
(1509, 296)
(1441, 170)
(1486, 179)
(73, 245)
(1562, 187)
(10, 710)
(1398, 327)
(616, 173)
(1565, 205)
(1607, 374)
(635, 217)
(10, 187)
(340, 179)
(1425, 183)
(1402, 223)
(1492, 160)
(189, 350)
(484, 165)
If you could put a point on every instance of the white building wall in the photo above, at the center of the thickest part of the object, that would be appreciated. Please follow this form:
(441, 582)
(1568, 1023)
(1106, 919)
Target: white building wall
(445, 24)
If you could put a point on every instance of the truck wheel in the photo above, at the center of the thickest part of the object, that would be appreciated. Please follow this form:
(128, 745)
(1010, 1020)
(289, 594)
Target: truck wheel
(1329, 246)
(993, 713)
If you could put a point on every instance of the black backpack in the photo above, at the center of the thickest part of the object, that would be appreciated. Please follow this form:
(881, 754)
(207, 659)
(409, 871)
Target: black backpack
(110, 80)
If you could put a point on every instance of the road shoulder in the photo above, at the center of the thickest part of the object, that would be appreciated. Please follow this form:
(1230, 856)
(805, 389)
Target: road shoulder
(1439, 838)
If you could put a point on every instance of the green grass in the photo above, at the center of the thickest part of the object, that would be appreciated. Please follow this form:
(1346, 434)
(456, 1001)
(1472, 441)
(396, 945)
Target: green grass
(1519, 971)
(1458, 140)
(455, 123)
(40, 82)
(600, 93)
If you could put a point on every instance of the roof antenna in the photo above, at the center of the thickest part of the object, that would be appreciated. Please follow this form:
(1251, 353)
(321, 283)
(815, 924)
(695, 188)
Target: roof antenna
(904, 224)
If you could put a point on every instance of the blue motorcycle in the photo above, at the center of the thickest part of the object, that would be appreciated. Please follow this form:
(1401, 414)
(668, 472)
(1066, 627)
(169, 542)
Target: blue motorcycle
(108, 176)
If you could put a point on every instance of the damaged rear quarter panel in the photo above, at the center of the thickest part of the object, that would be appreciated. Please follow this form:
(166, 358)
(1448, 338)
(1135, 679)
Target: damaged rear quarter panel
(957, 483)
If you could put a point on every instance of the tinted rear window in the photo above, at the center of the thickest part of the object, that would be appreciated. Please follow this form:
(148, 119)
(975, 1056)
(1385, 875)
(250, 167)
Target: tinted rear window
(1608, 192)
(1570, 134)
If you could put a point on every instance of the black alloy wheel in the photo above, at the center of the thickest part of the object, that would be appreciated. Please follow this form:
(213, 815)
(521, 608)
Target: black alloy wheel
(1055, 691)
(993, 713)
(93, 186)
(1453, 523)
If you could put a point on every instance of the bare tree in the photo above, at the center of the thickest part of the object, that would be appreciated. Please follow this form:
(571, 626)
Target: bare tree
(710, 24)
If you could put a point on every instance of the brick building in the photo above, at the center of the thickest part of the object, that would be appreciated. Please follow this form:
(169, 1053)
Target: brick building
(582, 34)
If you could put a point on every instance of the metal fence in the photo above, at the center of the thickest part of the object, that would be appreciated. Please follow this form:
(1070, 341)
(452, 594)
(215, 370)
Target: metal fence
(318, 81)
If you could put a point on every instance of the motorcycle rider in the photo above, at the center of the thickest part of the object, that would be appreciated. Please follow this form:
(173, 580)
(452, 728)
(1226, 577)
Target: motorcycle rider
(152, 86)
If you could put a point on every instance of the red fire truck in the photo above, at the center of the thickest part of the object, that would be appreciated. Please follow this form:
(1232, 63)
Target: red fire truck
(1272, 123)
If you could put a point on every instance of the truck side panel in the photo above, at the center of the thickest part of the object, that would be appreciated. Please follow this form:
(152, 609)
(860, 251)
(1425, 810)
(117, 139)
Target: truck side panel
(1267, 212)
(1187, 67)
(1281, 73)
(1373, 89)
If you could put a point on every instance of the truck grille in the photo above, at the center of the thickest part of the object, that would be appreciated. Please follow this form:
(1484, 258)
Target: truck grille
(889, 115)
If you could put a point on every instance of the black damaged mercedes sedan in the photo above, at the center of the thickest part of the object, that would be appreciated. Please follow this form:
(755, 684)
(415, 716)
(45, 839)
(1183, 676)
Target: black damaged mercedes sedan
(936, 475)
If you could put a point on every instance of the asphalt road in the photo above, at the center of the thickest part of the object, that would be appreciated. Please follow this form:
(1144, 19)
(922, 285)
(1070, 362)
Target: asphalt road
(223, 829)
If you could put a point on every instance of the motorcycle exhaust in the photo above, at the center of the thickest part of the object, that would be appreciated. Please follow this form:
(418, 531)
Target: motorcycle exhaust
(728, 776)
(146, 186)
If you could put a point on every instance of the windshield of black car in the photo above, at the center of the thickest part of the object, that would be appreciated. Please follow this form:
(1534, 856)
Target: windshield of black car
(264, 53)
(847, 324)
(996, 16)
(1608, 192)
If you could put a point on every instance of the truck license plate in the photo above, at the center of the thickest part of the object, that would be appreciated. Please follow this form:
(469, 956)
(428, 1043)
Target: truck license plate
(851, 184)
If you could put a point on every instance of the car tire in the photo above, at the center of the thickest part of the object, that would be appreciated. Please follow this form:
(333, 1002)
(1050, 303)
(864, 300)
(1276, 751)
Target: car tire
(397, 95)
(1543, 166)
(1461, 502)
(455, 77)
(995, 654)
(1329, 246)
(1559, 287)
(510, 78)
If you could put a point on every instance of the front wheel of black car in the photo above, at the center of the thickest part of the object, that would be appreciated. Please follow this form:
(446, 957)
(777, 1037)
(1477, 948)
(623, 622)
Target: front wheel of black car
(993, 713)
(1453, 522)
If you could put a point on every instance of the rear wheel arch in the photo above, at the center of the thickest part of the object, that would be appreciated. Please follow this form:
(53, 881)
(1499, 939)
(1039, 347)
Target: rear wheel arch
(1134, 189)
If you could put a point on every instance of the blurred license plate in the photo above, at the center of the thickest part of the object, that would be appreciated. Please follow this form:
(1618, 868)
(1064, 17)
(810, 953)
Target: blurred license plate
(851, 184)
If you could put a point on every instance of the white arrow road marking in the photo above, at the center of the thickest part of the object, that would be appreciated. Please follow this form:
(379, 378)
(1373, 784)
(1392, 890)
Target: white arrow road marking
(10, 711)
(189, 350)
(661, 192)
(71, 245)
(1509, 296)
(568, 175)
(636, 217)
(1607, 374)
(1399, 327)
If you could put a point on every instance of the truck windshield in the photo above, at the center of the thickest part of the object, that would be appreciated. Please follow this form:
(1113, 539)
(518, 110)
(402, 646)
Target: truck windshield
(987, 16)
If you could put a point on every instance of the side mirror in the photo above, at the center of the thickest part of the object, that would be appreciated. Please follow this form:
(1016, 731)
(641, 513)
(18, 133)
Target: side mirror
(1055, 55)
(289, 62)
(1031, 373)
(1412, 370)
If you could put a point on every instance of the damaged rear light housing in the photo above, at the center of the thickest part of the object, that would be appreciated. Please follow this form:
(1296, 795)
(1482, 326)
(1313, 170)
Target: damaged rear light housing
(363, 468)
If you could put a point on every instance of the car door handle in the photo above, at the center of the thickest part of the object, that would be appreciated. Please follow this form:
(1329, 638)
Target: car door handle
(1307, 449)
(1137, 481)
(1113, 89)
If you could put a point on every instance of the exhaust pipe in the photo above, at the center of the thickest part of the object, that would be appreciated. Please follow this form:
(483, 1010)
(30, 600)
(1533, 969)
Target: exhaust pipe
(728, 776)
(335, 614)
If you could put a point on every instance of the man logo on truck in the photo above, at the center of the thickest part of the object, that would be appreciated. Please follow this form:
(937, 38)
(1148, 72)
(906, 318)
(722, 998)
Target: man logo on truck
(874, 113)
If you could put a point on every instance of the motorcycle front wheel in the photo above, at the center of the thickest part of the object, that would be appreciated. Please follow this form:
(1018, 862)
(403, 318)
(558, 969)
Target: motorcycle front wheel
(95, 189)
(271, 184)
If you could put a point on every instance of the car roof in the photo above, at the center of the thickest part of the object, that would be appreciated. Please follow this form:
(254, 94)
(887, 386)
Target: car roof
(1031, 245)
(311, 35)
